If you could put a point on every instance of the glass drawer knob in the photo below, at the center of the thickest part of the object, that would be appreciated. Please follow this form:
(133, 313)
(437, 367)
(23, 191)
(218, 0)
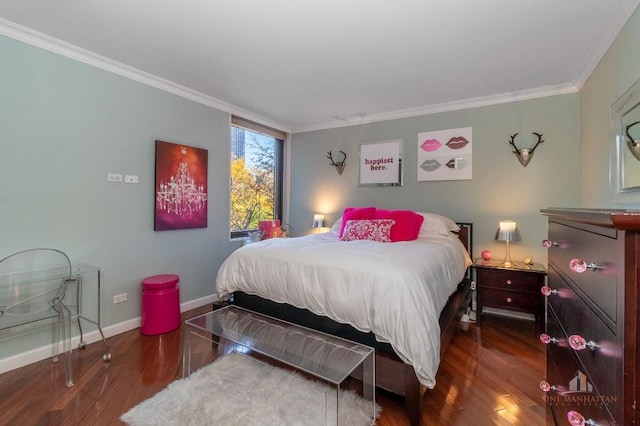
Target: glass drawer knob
(548, 291)
(578, 343)
(546, 387)
(549, 243)
(580, 266)
(577, 419)
(546, 339)
(508, 282)
(508, 300)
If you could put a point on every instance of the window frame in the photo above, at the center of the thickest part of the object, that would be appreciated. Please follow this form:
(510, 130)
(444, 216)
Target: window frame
(279, 167)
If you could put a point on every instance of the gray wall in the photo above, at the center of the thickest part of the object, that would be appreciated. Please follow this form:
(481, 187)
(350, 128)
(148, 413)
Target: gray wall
(64, 126)
(501, 187)
(617, 71)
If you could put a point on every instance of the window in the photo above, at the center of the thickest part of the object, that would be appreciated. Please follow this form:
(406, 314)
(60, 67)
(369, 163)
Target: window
(257, 159)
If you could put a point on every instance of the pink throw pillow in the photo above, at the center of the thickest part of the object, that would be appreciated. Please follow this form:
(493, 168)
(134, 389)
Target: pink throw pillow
(407, 224)
(356, 213)
(368, 229)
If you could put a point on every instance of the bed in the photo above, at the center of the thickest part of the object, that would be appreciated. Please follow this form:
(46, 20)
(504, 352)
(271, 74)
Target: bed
(404, 298)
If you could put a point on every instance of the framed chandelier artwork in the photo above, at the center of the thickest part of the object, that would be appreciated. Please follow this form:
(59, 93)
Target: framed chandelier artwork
(181, 187)
(445, 154)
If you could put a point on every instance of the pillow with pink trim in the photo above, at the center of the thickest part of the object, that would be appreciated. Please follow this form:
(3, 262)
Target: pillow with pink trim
(407, 224)
(356, 213)
(368, 229)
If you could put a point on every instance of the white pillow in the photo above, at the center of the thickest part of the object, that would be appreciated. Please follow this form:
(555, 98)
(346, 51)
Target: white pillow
(436, 224)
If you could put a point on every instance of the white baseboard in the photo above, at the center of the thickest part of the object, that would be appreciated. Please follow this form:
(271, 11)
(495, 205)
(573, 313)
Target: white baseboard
(187, 306)
(44, 352)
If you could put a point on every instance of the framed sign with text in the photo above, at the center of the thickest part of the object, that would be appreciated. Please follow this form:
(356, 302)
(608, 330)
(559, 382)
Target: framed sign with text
(380, 163)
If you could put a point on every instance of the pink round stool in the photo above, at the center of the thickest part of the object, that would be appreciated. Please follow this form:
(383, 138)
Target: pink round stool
(160, 304)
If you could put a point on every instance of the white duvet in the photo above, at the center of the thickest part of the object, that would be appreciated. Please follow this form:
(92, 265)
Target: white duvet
(396, 290)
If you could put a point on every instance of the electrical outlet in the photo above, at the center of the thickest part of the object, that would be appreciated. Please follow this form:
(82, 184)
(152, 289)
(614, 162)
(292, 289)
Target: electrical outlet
(119, 298)
(114, 177)
(131, 179)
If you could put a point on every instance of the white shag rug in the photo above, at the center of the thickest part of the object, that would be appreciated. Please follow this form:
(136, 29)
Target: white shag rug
(239, 390)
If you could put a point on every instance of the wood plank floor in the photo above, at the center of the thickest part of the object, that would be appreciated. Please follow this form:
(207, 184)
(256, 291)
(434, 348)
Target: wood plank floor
(489, 376)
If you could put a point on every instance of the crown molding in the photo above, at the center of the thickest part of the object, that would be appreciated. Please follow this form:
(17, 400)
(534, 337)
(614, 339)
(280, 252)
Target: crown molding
(443, 107)
(51, 44)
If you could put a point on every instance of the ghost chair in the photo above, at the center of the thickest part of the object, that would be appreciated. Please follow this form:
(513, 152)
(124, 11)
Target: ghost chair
(33, 287)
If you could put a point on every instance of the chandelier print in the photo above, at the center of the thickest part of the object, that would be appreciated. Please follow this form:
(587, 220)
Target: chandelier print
(181, 186)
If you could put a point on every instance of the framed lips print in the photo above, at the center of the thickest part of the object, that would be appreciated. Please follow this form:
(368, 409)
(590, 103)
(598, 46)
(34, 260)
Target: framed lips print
(445, 154)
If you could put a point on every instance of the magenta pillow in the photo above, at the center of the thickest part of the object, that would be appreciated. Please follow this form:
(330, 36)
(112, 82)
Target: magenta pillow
(407, 224)
(356, 213)
(368, 229)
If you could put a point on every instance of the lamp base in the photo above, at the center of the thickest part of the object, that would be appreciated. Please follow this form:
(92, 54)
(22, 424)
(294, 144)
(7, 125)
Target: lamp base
(507, 263)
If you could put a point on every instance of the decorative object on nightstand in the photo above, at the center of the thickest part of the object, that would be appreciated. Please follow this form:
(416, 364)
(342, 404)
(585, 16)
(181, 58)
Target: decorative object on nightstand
(486, 255)
(270, 229)
(252, 237)
(507, 232)
(516, 288)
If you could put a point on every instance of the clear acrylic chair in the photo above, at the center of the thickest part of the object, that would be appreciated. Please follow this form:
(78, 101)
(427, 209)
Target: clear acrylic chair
(33, 286)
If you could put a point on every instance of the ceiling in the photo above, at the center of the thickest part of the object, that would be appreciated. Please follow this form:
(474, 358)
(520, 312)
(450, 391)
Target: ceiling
(303, 65)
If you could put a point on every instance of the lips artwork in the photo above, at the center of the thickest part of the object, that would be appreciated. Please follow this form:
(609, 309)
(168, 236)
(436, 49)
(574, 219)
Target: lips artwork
(450, 160)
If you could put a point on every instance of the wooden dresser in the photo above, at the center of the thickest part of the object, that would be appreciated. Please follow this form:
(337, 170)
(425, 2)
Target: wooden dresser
(592, 316)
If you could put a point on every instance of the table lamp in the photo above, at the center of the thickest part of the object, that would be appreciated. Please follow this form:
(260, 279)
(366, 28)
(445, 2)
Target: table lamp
(507, 232)
(318, 221)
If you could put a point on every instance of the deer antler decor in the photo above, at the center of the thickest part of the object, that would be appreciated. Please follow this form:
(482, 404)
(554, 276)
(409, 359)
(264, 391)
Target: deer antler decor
(633, 143)
(524, 154)
(340, 164)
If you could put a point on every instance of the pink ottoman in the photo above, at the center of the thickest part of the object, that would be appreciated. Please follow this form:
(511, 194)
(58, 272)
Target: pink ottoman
(160, 304)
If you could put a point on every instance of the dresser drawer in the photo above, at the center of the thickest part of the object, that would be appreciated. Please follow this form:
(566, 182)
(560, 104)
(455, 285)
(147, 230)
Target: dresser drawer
(575, 388)
(511, 280)
(604, 362)
(600, 286)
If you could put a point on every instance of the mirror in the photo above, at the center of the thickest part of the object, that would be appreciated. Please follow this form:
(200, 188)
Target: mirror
(625, 129)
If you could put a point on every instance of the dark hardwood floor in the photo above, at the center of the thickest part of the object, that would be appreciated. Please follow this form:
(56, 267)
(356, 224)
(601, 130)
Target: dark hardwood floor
(489, 376)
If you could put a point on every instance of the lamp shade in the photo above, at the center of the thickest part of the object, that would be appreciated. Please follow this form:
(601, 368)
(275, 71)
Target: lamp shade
(508, 231)
(318, 221)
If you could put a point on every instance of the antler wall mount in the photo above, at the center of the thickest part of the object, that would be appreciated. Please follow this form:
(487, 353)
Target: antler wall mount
(339, 165)
(525, 154)
(633, 144)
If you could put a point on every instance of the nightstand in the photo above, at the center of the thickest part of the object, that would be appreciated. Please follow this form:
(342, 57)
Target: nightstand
(516, 288)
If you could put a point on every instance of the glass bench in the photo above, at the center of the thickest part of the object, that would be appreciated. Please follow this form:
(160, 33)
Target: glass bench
(331, 359)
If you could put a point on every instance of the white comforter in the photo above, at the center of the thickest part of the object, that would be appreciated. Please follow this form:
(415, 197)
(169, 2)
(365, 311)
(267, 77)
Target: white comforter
(396, 290)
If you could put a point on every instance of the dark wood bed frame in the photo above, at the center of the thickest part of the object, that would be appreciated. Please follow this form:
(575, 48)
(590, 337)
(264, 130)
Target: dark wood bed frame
(392, 374)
